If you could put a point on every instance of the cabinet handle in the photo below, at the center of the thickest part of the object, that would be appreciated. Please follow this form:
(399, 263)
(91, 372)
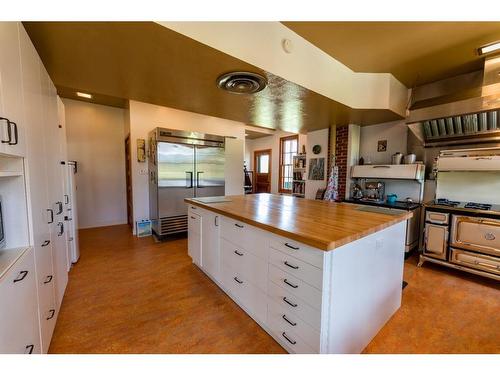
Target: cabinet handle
(238, 280)
(46, 243)
(21, 277)
(290, 303)
(48, 280)
(51, 211)
(192, 217)
(52, 313)
(66, 199)
(238, 225)
(29, 349)
(59, 208)
(16, 135)
(291, 265)
(289, 321)
(381, 166)
(238, 253)
(193, 207)
(216, 221)
(288, 339)
(289, 283)
(61, 229)
(291, 247)
(9, 135)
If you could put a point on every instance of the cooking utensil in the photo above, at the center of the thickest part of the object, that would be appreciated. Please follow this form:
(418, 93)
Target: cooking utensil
(397, 158)
(410, 158)
(391, 198)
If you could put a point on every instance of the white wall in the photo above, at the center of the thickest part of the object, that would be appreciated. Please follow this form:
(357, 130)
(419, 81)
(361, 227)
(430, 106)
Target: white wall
(394, 132)
(318, 137)
(95, 135)
(270, 142)
(145, 117)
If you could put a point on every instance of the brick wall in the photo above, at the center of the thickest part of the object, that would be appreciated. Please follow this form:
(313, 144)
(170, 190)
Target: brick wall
(341, 141)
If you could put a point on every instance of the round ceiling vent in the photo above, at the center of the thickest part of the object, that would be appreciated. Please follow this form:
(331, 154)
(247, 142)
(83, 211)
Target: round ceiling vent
(242, 82)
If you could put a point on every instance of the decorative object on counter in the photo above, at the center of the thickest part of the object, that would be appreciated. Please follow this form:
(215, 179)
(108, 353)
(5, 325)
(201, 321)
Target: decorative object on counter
(392, 198)
(382, 145)
(410, 159)
(143, 228)
(141, 150)
(316, 149)
(357, 192)
(361, 161)
(317, 169)
(397, 158)
(332, 193)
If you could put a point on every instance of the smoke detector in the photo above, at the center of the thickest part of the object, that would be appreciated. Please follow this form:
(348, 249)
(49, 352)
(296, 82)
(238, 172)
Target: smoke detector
(242, 82)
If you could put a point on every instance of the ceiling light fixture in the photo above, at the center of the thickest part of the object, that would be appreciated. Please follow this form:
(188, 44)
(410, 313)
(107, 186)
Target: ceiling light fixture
(84, 95)
(242, 82)
(493, 47)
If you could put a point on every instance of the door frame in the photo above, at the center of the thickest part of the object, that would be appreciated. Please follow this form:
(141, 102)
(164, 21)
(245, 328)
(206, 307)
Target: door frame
(128, 181)
(255, 154)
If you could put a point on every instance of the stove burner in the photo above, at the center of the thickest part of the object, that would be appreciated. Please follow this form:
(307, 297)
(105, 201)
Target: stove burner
(478, 206)
(446, 202)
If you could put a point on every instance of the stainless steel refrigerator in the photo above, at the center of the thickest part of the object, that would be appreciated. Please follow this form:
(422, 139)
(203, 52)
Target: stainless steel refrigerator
(182, 165)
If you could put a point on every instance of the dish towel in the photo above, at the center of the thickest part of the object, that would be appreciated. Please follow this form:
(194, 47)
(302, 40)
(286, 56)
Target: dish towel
(332, 193)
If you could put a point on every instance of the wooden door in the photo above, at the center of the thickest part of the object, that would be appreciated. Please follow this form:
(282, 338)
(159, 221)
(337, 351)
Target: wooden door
(128, 174)
(262, 168)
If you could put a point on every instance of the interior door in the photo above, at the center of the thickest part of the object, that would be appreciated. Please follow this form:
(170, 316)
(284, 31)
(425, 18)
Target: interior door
(175, 178)
(262, 168)
(209, 179)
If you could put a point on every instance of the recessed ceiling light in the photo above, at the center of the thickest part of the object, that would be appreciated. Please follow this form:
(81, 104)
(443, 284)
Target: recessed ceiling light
(489, 48)
(84, 95)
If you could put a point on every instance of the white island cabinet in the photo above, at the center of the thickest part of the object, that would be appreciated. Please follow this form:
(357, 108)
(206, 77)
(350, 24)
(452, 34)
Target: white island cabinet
(309, 300)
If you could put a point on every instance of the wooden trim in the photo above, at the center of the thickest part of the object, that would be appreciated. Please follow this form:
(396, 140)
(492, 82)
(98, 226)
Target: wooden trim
(280, 169)
(255, 172)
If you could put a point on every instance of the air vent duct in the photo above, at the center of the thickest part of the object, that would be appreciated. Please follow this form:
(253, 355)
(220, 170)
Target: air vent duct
(242, 82)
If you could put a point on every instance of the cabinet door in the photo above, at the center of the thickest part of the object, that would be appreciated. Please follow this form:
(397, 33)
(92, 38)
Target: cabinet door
(210, 244)
(436, 240)
(19, 318)
(11, 88)
(194, 238)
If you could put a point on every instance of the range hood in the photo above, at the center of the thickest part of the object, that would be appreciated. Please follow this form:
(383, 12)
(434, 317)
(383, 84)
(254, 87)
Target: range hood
(459, 110)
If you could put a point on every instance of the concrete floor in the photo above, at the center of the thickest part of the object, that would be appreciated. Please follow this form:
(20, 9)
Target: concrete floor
(131, 295)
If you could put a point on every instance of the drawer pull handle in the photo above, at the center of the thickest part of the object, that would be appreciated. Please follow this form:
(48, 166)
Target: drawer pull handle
(29, 349)
(192, 207)
(289, 321)
(290, 303)
(238, 253)
(48, 279)
(46, 243)
(52, 313)
(291, 247)
(21, 276)
(192, 217)
(291, 265)
(289, 283)
(238, 280)
(293, 342)
(238, 225)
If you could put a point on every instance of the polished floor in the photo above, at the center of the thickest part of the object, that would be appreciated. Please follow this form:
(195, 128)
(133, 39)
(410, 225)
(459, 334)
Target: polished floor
(131, 295)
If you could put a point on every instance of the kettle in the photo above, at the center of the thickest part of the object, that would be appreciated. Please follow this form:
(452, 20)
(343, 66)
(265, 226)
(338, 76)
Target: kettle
(397, 158)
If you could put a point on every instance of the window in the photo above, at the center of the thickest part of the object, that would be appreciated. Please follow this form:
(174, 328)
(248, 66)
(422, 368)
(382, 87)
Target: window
(288, 148)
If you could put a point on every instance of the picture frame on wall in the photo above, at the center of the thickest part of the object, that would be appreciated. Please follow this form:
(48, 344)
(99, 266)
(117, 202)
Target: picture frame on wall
(382, 145)
(317, 169)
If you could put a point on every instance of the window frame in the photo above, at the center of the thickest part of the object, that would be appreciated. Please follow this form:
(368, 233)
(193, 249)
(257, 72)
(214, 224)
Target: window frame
(281, 165)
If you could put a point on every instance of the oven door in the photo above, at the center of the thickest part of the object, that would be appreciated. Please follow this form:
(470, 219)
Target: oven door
(476, 234)
(436, 241)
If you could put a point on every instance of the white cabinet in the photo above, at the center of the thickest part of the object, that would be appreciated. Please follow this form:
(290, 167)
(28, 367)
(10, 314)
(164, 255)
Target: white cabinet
(18, 307)
(210, 229)
(194, 239)
(11, 109)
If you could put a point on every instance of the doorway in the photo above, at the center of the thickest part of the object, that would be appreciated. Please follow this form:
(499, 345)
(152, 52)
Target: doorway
(128, 174)
(262, 168)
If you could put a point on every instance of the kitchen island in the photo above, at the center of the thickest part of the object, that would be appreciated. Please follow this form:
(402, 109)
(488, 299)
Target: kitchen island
(320, 277)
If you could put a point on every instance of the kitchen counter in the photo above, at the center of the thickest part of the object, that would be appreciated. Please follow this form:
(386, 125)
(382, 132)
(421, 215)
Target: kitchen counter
(320, 224)
(493, 213)
(9, 257)
(396, 205)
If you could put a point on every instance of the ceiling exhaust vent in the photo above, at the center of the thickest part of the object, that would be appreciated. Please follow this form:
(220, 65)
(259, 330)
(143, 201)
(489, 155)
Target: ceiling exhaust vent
(242, 82)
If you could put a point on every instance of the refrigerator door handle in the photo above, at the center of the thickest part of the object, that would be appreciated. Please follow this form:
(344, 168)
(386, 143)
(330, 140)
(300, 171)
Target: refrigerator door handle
(198, 185)
(189, 180)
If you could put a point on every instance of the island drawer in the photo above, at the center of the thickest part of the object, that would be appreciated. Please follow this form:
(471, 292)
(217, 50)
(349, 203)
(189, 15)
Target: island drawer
(298, 250)
(298, 268)
(245, 236)
(287, 338)
(295, 286)
(294, 305)
(293, 324)
(251, 297)
(245, 263)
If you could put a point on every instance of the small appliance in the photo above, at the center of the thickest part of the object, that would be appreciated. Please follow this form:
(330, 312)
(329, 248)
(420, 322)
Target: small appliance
(374, 191)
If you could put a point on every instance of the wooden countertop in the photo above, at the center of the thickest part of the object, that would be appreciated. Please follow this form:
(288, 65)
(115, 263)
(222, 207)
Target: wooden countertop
(320, 224)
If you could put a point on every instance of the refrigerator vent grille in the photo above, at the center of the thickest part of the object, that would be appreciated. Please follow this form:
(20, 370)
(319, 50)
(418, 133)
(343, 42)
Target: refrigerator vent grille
(175, 224)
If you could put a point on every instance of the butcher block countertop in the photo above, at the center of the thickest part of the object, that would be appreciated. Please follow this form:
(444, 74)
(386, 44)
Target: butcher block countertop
(320, 224)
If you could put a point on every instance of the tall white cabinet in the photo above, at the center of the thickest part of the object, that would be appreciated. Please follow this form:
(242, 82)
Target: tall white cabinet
(36, 155)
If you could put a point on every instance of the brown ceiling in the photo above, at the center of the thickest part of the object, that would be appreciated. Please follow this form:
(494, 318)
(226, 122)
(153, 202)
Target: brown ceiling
(147, 62)
(414, 52)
